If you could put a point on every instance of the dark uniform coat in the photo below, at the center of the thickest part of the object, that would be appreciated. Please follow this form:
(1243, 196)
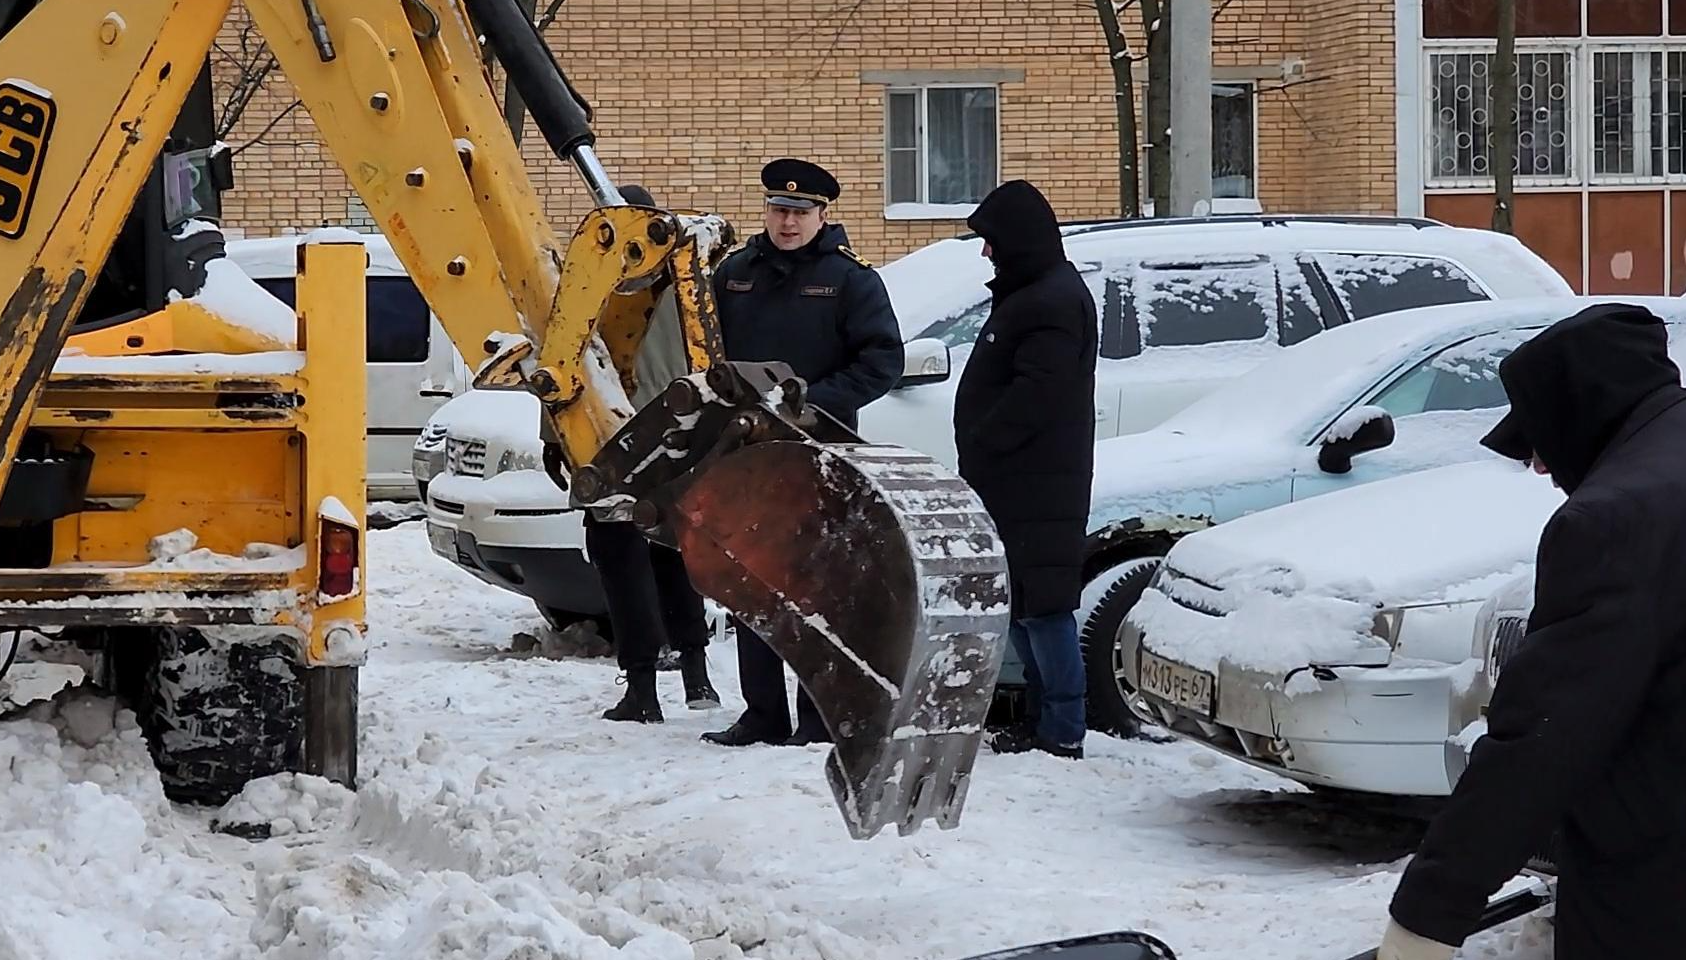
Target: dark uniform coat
(822, 310)
(1587, 726)
(1024, 411)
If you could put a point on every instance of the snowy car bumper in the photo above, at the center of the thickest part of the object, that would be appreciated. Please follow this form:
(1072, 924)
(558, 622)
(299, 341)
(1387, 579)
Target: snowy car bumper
(1373, 729)
(513, 533)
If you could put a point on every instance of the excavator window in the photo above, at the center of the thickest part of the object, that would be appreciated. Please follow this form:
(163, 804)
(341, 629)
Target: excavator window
(399, 323)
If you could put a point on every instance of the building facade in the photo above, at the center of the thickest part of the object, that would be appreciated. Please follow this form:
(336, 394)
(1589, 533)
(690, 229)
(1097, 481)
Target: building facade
(1601, 137)
(918, 109)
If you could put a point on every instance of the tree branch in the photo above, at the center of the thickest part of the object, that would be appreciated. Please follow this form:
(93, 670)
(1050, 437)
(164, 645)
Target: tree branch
(254, 141)
(550, 14)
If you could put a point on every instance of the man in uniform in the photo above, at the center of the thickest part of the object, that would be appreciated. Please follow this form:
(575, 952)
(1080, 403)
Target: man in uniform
(797, 294)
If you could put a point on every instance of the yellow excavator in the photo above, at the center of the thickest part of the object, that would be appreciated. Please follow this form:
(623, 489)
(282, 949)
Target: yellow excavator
(871, 569)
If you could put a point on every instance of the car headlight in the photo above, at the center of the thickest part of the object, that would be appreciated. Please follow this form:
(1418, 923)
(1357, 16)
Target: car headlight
(516, 460)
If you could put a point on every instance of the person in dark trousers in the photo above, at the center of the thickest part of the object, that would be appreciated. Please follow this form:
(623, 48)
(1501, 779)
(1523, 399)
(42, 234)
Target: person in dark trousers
(797, 293)
(1586, 729)
(1024, 429)
(650, 598)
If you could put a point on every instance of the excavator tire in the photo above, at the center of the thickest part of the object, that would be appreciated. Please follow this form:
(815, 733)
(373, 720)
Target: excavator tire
(217, 714)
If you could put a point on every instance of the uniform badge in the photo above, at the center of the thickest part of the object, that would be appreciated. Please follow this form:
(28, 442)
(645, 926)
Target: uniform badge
(852, 255)
(818, 291)
(740, 286)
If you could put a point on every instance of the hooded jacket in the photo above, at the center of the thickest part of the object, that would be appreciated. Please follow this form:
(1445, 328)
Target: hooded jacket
(821, 309)
(1024, 410)
(1586, 737)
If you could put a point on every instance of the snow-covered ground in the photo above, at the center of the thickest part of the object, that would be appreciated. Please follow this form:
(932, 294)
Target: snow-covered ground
(500, 818)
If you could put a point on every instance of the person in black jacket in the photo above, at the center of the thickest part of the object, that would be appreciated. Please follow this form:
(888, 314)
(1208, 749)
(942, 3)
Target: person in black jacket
(651, 601)
(1586, 730)
(797, 293)
(1024, 429)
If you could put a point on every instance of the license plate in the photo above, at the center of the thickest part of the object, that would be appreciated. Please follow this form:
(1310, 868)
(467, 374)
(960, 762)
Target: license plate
(1178, 683)
(26, 125)
(443, 539)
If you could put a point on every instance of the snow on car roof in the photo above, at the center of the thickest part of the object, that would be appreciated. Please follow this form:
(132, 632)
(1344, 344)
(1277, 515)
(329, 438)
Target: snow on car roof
(264, 258)
(1235, 435)
(1284, 395)
(948, 275)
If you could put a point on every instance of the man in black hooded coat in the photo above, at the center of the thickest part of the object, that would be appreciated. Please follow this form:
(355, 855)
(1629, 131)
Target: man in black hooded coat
(1024, 427)
(1586, 732)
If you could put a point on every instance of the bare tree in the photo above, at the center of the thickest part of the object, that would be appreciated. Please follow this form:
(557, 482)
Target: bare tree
(1156, 23)
(1124, 100)
(239, 73)
(1501, 145)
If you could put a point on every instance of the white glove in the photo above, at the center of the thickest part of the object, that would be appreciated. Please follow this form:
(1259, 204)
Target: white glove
(1401, 944)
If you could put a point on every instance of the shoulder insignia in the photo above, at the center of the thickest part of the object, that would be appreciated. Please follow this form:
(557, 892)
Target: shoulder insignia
(852, 255)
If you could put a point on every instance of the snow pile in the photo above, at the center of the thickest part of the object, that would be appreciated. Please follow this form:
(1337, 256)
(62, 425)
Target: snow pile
(176, 551)
(1348, 424)
(284, 804)
(96, 864)
(1266, 620)
(1410, 536)
(169, 546)
(236, 298)
(268, 363)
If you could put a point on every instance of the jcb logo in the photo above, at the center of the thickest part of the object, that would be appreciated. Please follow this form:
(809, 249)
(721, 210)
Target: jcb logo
(26, 124)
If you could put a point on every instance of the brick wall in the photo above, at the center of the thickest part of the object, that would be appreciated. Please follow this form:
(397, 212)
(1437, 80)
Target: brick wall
(716, 88)
(1349, 110)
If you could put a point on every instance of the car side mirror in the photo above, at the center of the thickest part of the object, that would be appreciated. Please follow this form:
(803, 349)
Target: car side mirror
(1361, 430)
(1101, 946)
(927, 361)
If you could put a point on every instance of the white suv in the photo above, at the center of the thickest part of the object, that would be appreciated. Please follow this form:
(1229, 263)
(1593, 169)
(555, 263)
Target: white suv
(1184, 306)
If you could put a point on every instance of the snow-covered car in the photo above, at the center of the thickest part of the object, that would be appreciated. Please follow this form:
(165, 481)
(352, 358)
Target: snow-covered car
(1185, 305)
(1334, 641)
(1396, 394)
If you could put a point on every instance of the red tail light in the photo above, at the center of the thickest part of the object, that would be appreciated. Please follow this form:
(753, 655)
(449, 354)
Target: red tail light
(338, 575)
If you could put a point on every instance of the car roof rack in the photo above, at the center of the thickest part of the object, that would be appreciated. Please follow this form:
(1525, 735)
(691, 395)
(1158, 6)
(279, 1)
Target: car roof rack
(1078, 228)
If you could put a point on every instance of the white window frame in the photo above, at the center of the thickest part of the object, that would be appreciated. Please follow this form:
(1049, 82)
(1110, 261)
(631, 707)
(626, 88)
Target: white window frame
(1253, 114)
(1252, 86)
(921, 209)
(1580, 113)
(1663, 46)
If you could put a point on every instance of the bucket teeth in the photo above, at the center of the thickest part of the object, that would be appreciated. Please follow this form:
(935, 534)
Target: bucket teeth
(879, 578)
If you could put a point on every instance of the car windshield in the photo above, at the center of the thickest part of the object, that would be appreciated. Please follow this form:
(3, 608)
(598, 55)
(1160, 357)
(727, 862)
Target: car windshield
(1299, 384)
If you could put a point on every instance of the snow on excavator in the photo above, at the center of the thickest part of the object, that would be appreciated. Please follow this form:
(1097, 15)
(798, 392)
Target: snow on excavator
(874, 571)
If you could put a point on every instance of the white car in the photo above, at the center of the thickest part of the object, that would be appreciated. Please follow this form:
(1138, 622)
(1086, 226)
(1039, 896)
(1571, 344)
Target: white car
(1393, 395)
(414, 368)
(1350, 641)
(1184, 306)
(1333, 641)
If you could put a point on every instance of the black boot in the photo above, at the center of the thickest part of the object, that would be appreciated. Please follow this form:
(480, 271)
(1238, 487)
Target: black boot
(640, 704)
(699, 693)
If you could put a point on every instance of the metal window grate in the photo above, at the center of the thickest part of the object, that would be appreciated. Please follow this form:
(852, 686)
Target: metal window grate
(1461, 105)
(1638, 114)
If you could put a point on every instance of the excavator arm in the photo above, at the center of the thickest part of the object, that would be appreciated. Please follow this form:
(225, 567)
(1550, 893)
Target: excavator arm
(871, 569)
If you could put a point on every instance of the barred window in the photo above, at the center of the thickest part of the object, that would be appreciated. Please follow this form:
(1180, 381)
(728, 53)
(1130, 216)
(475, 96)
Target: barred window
(1462, 106)
(1638, 98)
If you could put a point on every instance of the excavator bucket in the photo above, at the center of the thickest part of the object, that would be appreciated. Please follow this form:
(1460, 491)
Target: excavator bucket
(872, 570)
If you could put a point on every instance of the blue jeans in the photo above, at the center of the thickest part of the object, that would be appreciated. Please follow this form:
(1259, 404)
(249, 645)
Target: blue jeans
(1054, 676)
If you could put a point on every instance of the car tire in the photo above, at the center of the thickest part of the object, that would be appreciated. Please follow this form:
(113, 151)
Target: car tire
(1108, 713)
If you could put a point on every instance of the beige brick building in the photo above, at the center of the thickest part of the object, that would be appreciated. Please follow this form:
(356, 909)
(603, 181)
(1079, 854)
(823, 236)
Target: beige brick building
(916, 108)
